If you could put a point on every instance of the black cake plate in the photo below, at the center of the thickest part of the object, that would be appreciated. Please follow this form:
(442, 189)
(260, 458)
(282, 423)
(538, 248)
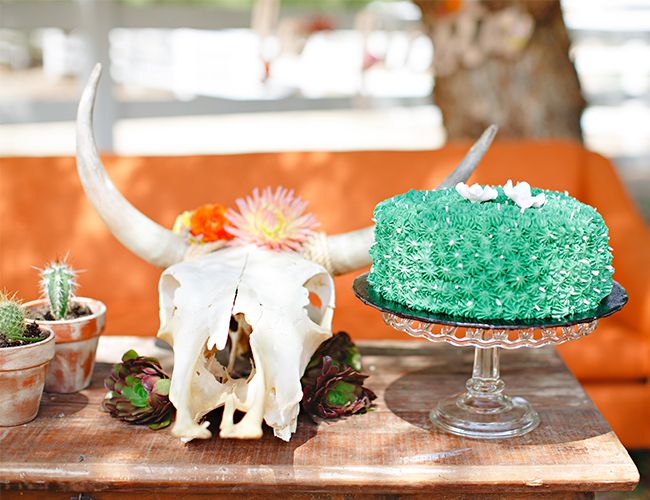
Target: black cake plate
(609, 305)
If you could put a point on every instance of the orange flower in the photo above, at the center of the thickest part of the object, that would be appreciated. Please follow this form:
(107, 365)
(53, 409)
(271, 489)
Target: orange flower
(444, 7)
(208, 221)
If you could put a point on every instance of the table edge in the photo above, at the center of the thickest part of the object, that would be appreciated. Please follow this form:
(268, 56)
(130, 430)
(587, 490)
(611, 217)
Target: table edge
(404, 479)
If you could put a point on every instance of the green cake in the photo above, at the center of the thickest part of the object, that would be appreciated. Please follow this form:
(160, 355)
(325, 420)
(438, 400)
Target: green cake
(500, 258)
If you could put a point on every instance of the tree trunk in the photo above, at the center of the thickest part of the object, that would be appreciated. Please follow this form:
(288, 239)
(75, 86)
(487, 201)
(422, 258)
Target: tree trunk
(505, 62)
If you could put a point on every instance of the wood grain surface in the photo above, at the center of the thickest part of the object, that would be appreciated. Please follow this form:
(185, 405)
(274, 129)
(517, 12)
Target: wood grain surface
(74, 448)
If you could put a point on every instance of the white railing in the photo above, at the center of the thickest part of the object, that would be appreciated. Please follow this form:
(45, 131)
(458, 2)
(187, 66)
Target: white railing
(107, 31)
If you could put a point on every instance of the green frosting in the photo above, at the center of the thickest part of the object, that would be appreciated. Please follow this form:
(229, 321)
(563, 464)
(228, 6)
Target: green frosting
(437, 251)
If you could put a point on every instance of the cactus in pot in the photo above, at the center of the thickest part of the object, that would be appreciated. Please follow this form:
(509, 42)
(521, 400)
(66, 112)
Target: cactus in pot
(77, 323)
(12, 319)
(58, 285)
(25, 351)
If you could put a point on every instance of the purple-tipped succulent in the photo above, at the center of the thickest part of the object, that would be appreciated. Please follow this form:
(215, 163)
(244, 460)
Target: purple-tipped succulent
(138, 392)
(340, 349)
(332, 385)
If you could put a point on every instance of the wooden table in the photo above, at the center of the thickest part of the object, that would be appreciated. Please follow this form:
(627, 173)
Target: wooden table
(74, 448)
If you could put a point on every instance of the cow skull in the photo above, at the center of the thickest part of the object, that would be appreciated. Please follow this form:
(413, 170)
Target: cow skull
(240, 320)
(264, 295)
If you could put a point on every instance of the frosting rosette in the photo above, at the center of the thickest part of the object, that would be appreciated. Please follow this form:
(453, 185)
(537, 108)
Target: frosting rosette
(440, 252)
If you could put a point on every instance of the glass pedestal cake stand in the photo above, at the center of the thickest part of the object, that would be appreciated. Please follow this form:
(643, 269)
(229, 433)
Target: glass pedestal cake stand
(483, 410)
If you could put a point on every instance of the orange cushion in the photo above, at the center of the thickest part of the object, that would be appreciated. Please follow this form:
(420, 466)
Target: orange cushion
(612, 352)
(626, 407)
(45, 214)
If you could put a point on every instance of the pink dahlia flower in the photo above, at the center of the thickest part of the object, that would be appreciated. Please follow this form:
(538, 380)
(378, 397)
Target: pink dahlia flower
(273, 220)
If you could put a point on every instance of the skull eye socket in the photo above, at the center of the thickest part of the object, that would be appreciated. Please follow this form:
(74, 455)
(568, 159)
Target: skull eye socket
(314, 300)
(320, 295)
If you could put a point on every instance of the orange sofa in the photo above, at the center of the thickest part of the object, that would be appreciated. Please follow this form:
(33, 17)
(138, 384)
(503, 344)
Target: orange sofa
(45, 214)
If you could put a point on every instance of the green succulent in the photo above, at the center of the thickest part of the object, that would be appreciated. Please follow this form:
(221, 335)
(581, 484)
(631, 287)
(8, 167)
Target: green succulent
(337, 391)
(342, 351)
(138, 392)
(332, 384)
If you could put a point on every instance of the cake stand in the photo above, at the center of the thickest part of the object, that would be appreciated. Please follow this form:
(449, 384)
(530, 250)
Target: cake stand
(483, 410)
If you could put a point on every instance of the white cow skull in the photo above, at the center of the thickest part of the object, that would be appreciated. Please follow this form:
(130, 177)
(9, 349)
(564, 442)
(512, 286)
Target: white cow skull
(264, 293)
(252, 289)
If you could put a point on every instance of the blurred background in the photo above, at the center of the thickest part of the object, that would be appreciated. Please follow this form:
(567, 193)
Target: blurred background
(272, 75)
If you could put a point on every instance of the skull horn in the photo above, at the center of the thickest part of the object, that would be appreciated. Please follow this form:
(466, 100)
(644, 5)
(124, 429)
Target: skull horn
(473, 157)
(133, 229)
(343, 253)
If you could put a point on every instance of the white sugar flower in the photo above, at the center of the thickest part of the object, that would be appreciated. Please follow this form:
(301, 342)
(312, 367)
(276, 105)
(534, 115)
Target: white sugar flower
(522, 196)
(476, 193)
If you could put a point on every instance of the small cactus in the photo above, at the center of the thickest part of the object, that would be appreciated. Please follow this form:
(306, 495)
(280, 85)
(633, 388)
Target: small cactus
(58, 284)
(12, 318)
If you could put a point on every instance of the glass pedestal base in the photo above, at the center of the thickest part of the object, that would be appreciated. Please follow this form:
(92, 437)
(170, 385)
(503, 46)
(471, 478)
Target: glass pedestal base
(485, 418)
(484, 411)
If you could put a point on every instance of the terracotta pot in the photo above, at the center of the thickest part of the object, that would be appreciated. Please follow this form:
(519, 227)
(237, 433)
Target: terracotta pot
(76, 345)
(22, 376)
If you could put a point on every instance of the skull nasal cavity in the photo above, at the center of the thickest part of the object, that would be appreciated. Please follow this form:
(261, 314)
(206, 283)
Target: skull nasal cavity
(237, 357)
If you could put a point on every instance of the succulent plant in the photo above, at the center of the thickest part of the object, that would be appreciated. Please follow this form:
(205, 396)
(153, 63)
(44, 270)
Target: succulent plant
(332, 384)
(336, 392)
(340, 348)
(138, 392)
(12, 319)
(58, 285)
